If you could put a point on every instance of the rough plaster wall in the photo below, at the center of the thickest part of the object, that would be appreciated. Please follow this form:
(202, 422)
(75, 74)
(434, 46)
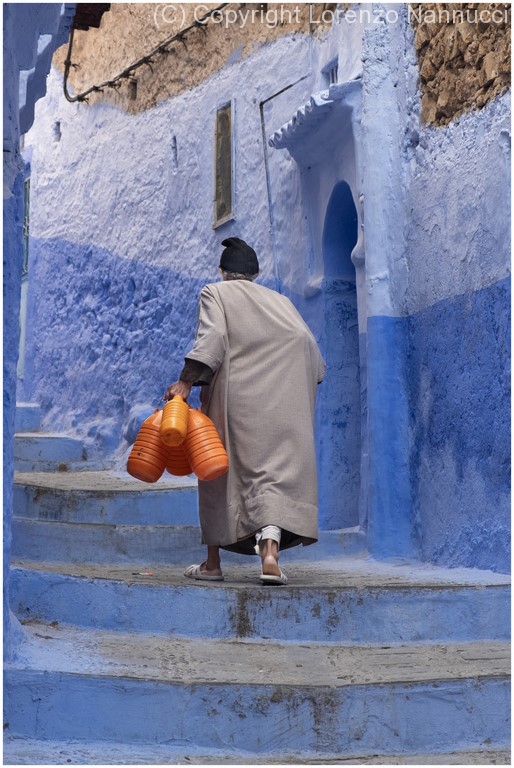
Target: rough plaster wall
(465, 57)
(458, 235)
(459, 378)
(23, 25)
(458, 308)
(103, 53)
(12, 262)
(437, 319)
(130, 237)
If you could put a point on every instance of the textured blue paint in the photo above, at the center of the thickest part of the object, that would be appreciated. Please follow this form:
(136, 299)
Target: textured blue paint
(438, 385)
(339, 409)
(364, 458)
(23, 24)
(107, 333)
(118, 335)
(12, 263)
(27, 418)
(391, 523)
(459, 390)
(347, 720)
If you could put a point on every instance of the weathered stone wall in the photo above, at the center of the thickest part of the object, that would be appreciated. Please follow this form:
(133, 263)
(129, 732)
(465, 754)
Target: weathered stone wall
(464, 52)
(130, 31)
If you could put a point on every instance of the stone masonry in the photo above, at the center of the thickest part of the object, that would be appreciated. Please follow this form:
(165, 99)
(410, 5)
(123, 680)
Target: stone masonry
(464, 54)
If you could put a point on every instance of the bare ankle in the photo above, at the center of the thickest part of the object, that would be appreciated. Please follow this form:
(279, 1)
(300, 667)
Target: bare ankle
(269, 547)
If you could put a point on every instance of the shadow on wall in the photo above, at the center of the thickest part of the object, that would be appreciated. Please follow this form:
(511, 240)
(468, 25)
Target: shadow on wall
(339, 409)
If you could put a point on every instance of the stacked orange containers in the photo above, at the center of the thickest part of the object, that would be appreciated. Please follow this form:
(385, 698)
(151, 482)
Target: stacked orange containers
(201, 451)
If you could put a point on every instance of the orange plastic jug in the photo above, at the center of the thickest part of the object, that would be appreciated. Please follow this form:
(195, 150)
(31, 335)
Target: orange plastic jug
(204, 448)
(174, 421)
(148, 456)
(177, 462)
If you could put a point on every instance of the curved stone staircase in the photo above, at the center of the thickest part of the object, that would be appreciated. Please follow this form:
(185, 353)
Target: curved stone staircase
(124, 661)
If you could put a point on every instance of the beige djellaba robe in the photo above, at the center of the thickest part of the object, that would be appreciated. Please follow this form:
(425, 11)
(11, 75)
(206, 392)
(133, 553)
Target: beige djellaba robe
(261, 398)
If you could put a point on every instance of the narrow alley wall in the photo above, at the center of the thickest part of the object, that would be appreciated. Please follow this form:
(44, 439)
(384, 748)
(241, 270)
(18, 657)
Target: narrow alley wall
(458, 295)
(31, 33)
(122, 239)
(458, 304)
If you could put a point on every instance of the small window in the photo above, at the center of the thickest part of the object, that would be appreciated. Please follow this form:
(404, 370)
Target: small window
(330, 73)
(223, 201)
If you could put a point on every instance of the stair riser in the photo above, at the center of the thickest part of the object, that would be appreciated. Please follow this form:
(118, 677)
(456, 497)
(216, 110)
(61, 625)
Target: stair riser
(334, 615)
(27, 418)
(96, 543)
(62, 466)
(356, 720)
(46, 448)
(175, 507)
(102, 543)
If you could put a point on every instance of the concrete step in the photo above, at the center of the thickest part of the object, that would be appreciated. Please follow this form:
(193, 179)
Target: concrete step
(350, 600)
(104, 543)
(266, 698)
(19, 751)
(60, 468)
(45, 452)
(27, 417)
(158, 544)
(55, 450)
(113, 498)
(109, 517)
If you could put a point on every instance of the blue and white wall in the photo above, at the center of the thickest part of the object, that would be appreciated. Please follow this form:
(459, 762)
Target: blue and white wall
(438, 306)
(458, 364)
(413, 320)
(122, 240)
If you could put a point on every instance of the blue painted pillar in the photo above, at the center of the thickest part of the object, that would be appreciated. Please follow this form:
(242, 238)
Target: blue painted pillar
(385, 91)
(391, 527)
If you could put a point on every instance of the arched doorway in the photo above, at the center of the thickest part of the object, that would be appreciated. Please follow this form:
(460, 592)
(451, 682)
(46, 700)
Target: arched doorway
(340, 409)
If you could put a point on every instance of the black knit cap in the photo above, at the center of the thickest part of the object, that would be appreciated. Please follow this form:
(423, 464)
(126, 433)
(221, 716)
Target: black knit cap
(238, 256)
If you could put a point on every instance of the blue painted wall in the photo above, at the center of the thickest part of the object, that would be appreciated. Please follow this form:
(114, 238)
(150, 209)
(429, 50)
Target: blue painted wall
(23, 24)
(390, 524)
(12, 263)
(457, 304)
(458, 367)
(106, 336)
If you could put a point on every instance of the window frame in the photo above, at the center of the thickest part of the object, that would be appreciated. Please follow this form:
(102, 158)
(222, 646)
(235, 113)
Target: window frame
(231, 215)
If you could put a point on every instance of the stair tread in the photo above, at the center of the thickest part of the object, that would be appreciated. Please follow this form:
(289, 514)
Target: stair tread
(21, 751)
(93, 652)
(348, 572)
(47, 435)
(102, 481)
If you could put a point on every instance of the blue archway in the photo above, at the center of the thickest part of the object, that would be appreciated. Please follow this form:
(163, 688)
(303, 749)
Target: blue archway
(340, 233)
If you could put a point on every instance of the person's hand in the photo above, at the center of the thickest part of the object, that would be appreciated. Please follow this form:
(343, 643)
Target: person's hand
(181, 388)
